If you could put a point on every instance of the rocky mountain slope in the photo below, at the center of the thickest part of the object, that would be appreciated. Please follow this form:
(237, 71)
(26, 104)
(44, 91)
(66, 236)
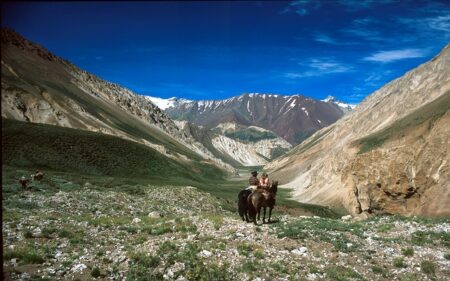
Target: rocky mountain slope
(390, 155)
(236, 144)
(40, 87)
(291, 117)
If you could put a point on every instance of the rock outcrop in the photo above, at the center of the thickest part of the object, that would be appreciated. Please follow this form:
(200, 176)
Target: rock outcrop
(236, 144)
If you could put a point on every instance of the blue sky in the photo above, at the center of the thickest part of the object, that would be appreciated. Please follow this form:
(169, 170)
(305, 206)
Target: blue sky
(215, 50)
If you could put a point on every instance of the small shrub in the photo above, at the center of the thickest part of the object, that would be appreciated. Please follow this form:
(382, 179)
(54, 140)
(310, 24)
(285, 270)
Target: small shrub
(279, 267)
(160, 230)
(313, 269)
(64, 233)
(428, 267)
(447, 256)
(259, 254)
(399, 262)
(47, 232)
(28, 234)
(216, 220)
(377, 269)
(249, 266)
(95, 272)
(244, 249)
(384, 228)
(26, 255)
(341, 273)
(409, 252)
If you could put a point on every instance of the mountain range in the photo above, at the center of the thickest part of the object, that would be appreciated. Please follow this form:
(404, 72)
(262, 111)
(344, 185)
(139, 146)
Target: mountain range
(293, 118)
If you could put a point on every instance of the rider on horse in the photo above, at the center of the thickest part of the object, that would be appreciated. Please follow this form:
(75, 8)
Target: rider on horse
(264, 182)
(264, 185)
(253, 181)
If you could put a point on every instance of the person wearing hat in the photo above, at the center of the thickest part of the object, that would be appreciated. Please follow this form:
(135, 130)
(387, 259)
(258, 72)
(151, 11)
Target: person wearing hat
(253, 181)
(264, 181)
(24, 182)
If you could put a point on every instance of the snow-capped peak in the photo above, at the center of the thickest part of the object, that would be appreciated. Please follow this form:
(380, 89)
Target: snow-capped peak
(167, 103)
(329, 98)
(343, 105)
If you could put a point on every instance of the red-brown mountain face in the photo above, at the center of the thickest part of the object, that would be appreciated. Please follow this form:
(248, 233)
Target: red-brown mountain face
(293, 118)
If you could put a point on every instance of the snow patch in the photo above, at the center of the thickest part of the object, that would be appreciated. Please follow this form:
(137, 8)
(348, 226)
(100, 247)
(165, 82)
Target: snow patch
(306, 111)
(347, 106)
(167, 103)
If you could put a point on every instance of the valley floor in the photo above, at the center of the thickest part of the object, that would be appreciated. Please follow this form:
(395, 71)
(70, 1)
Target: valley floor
(69, 228)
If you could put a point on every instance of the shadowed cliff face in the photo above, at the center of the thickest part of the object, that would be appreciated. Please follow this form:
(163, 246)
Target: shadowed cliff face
(390, 155)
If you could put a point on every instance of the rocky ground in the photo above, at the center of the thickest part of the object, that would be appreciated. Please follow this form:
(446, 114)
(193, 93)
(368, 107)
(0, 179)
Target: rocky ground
(67, 230)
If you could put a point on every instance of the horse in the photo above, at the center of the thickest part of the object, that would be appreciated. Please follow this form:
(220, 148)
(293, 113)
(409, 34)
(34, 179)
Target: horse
(243, 204)
(38, 176)
(258, 200)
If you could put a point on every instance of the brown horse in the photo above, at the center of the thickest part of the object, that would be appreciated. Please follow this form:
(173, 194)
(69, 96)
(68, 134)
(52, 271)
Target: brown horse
(38, 176)
(258, 200)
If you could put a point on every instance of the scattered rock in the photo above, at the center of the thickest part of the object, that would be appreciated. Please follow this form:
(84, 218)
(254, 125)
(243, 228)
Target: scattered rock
(136, 220)
(154, 215)
(205, 254)
(346, 218)
(302, 251)
(37, 232)
(178, 266)
(79, 267)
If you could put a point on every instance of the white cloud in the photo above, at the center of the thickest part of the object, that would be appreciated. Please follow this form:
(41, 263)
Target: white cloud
(375, 78)
(440, 23)
(360, 28)
(301, 7)
(319, 67)
(320, 37)
(437, 23)
(394, 55)
(364, 33)
(356, 5)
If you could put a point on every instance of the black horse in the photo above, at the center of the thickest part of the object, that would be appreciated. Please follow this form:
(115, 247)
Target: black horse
(243, 204)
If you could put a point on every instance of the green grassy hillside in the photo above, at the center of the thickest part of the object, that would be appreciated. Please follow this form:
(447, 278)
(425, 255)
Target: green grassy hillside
(62, 149)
